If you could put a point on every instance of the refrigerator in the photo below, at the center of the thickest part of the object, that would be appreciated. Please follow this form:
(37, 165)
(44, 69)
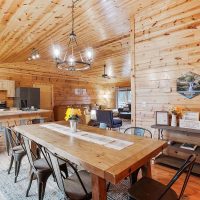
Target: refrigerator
(27, 97)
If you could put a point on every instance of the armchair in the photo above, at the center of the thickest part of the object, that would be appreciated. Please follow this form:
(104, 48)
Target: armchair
(106, 116)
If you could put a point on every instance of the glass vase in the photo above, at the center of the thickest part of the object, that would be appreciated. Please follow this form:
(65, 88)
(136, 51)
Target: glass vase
(174, 120)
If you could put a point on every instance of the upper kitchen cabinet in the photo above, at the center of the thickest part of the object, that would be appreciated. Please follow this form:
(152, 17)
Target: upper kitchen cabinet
(9, 86)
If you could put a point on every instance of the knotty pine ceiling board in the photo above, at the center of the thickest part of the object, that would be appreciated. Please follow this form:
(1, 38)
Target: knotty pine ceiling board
(102, 24)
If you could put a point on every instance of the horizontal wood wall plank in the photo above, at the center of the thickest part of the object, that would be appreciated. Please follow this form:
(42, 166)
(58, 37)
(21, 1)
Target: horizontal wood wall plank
(64, 90)
(166, 47)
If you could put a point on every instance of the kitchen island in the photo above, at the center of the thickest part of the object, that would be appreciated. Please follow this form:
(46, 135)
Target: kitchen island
(19, 117)
(11, 115)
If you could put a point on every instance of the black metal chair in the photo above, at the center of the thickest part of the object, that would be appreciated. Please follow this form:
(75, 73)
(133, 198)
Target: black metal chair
(139, 131)
(6, 140)
(106, 117)
(17, 152)
(77, 186)
(40, 168)
(149, 189)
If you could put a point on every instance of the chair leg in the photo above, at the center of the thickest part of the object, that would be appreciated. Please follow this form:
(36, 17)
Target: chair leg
(108, 187)
(65, 171)
(40, 191)
(11, 163)
(42, 180)
(18, 164)
(30, 183)
(15, 170)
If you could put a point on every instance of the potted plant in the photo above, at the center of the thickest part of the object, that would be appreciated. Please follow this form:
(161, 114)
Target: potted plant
(73, 115)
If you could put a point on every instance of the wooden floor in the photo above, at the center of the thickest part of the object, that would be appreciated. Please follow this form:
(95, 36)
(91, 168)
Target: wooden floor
(160, 173)
(164, 174)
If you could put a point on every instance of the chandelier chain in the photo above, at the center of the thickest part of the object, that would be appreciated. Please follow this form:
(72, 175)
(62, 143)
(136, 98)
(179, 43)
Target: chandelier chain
(73, 7)
(72, 16)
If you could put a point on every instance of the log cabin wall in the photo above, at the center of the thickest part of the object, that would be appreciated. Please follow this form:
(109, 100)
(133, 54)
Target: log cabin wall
(64, 90)
(166, 46)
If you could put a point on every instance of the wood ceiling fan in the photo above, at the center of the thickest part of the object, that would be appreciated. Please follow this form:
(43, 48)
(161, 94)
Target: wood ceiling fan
(105, 75)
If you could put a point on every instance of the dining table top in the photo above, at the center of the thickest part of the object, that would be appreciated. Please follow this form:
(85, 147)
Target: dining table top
(105, 162)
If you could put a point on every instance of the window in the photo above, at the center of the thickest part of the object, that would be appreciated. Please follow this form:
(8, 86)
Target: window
(123, 97)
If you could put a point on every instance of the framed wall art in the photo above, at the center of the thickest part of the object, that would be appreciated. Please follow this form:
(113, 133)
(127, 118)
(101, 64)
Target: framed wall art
(188, 85)
(80, 91)
(162, 118)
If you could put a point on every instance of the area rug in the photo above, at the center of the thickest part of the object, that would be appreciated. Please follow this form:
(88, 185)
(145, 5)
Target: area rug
(16, 191)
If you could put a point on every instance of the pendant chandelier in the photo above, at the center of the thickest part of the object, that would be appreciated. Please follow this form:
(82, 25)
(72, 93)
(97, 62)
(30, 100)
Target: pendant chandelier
(72, 62)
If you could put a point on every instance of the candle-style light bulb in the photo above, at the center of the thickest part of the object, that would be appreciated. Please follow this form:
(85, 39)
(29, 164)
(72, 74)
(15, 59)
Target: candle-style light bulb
(89, 54)
(71, 60)
(56, 51)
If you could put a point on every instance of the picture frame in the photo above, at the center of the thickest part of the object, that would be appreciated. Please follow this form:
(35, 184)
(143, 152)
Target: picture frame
(80, 91)
(188, 85)
(191, 116)
(162, 118)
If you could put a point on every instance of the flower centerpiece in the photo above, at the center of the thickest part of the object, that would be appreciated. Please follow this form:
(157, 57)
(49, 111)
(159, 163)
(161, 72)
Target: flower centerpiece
(176, 112)
(73, 115)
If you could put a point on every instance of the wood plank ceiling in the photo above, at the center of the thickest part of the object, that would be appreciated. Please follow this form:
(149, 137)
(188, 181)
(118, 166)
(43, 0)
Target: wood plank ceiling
(102, 24)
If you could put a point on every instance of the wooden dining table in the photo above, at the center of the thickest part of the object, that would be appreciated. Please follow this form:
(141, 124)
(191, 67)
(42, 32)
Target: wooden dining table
(104, 163)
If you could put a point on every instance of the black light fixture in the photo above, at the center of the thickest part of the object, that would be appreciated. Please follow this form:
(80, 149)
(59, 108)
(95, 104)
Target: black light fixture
(34, 54)
(70, 62)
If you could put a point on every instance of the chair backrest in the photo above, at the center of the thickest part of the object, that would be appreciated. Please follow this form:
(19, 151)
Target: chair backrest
(57, 173)
(9, 139)
(186, 167)
(105, 116)
(102, 125)
(6, 141)
(30, 155)
(12, 142)
(59, 178)
(139, 131)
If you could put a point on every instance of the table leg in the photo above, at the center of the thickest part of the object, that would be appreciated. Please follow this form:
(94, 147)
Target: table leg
(146, 170)
(98, 188)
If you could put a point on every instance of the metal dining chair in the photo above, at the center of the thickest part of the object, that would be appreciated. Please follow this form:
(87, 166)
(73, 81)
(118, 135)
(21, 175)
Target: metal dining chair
(16, 151)
(147, 188)
(77, 186)
(139, 131)
(40, 168)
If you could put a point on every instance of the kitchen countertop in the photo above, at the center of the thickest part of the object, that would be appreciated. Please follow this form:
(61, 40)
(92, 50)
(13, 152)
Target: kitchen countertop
(20, 112)
(10, 115)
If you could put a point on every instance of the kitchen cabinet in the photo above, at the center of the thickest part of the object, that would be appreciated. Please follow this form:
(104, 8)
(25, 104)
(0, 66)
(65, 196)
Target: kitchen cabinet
(9, 86)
